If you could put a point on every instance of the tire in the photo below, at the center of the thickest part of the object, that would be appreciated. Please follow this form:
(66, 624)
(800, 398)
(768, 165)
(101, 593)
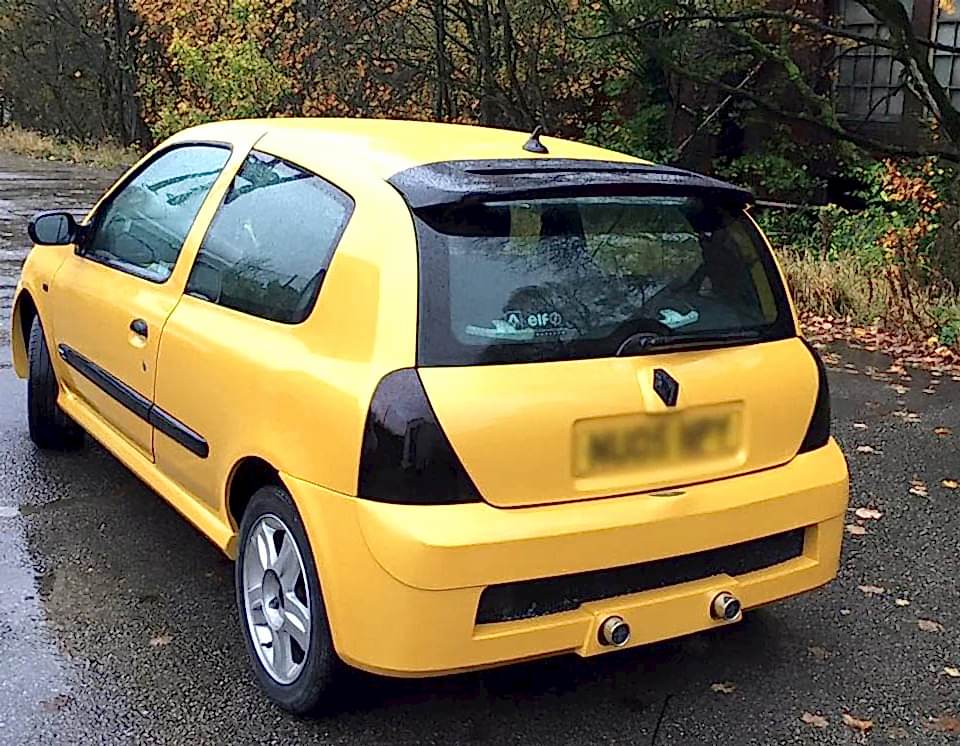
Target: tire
(314, 686)
(50, 427)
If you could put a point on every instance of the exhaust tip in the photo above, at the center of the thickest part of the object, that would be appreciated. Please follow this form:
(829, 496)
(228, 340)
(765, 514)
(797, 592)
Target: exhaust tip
(614, 631)
(725, 606)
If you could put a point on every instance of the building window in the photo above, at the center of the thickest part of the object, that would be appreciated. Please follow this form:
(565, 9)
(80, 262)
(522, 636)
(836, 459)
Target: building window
(869, 84)
(945, 64)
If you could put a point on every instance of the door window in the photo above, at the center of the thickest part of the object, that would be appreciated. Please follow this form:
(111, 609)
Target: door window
(271, 241)
(143, 226)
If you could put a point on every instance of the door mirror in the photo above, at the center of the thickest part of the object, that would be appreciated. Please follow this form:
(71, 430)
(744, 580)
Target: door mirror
(53, 228)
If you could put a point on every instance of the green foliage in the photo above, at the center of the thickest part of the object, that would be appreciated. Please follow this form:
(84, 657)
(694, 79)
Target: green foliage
(642, 133)
(229, 78)
(780, 168)
(773, 174)
(947, 318)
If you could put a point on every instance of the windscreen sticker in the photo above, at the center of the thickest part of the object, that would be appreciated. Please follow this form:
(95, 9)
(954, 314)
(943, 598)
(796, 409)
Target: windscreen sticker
(522, 326)
(536, 320)
(675, 319)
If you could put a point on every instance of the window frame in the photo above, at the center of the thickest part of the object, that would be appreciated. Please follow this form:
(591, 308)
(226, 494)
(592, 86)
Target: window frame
(91, 226)
(342, 196)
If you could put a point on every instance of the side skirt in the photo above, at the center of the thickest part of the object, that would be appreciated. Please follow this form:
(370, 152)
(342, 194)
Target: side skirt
(206, 521)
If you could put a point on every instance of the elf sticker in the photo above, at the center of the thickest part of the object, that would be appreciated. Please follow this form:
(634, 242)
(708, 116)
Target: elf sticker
(539, 320)
(514, 318)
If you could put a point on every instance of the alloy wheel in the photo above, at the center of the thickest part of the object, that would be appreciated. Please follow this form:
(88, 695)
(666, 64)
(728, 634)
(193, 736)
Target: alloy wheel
(276, 599)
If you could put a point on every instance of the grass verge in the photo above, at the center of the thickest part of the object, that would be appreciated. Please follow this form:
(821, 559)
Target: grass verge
(860, 303)
(106, 154)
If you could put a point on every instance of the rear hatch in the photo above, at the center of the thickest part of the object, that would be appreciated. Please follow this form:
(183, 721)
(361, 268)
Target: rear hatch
(598, 340)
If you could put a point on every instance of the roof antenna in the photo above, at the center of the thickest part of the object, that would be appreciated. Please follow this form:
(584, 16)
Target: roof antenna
(533, 145)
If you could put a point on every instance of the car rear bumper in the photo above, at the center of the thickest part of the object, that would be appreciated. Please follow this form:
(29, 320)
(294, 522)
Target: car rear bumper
(403, 583)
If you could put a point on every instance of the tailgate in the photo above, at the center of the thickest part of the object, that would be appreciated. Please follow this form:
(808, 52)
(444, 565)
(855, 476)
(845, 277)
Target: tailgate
(536, 433)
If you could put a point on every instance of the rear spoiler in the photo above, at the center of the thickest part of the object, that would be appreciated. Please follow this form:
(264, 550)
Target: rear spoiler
(457, 182)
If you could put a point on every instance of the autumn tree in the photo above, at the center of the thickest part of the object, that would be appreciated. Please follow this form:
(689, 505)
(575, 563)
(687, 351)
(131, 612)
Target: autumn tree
(69, 66)
(778, 61)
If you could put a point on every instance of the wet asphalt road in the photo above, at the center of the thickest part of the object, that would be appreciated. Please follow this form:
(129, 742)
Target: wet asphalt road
(117, 622)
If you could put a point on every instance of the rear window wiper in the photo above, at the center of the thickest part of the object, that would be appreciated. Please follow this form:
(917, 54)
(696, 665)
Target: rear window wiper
(641, 342)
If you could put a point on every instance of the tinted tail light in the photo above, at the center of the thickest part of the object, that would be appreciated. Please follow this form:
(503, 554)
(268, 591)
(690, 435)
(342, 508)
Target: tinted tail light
(405, 456)
(818, 431)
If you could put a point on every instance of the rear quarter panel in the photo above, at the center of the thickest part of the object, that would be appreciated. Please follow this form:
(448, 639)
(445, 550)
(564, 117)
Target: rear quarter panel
(294, 395)
(783, 276)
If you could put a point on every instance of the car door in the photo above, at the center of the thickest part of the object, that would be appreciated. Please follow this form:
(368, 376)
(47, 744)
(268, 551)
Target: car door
(112, 296)
(256, 277)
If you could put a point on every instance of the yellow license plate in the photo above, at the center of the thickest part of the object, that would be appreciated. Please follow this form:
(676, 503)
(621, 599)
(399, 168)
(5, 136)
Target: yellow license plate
(631, 442)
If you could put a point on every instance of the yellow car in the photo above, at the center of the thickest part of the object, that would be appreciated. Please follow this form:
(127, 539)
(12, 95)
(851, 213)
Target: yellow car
(453, 397)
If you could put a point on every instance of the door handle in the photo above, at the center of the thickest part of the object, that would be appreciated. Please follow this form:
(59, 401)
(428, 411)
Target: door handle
(139, 327)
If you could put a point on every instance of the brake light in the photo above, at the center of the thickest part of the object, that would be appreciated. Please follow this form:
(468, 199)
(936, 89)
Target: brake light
(405, 456)
(818, 431)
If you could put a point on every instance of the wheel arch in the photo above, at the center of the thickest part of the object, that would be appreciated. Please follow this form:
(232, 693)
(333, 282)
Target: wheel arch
(24, 312)
(249, 474)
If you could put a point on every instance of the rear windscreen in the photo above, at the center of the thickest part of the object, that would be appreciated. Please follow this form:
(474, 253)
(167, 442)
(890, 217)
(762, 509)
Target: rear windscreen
(537, 280)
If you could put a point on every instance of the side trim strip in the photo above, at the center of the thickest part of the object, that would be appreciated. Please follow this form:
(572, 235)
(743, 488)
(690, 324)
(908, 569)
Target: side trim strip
(170, 426)
(136, 402)
(128, 397)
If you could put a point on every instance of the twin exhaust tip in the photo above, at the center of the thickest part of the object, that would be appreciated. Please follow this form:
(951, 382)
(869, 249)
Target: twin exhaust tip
(616, 632)
(725, 607)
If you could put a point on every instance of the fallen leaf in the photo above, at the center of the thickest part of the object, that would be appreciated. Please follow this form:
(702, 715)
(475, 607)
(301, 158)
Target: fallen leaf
(952, 671)
(950, 484)
(902, 602)
(724, 687)
(161, 640)
(872, 590)
(906, 416)
(944, 724)
(818, 721)
(845, 612)
(941, 431)
(859, 425)
(866, 449)
(918, 488)
(898, 388)
(821, 654)
(930, 391)
(867, 514)
(854, 530)
(928, 625)
(856, 723)
(56, 702)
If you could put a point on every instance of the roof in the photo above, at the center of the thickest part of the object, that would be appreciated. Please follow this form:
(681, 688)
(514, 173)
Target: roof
(387, 146)
(431, 162)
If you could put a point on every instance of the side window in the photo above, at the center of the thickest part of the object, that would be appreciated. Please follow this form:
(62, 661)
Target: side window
(271, 241)
(142, 228)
